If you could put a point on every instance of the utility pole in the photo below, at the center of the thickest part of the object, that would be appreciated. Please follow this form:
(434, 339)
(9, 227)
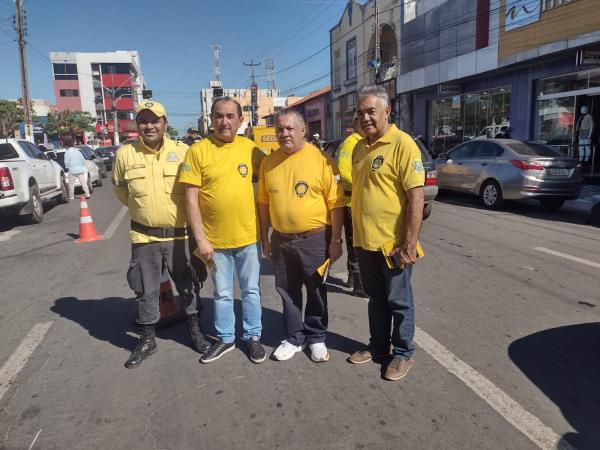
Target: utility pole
(20, 28)
(377, 44)
(270, 66)
(116, 141)
(253, 94)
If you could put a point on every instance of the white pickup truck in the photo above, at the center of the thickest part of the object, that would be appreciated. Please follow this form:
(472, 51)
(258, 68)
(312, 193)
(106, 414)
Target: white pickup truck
(27, 178)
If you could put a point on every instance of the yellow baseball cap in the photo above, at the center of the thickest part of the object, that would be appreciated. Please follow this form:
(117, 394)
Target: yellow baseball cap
(157, 109)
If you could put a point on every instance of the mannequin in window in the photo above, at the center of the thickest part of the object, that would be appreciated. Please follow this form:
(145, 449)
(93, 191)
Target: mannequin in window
(585, 128)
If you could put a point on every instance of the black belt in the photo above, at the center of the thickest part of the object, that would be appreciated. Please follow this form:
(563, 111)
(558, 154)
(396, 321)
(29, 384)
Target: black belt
(304, 235)
(348, 193)
(165, 232)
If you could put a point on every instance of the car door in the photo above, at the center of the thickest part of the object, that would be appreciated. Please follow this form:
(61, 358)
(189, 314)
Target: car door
(451, 170)
(42, 167)
(484, 155)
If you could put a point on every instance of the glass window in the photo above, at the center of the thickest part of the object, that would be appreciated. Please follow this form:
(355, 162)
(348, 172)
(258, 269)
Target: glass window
(32, 151)
(532, 149)
(485, 149)
(115, 68)
(570, 82)
(464, 151)
(7, 152)
(69, 93)
(65, 69)
(337, 70)
(555, 120)
(351, 59)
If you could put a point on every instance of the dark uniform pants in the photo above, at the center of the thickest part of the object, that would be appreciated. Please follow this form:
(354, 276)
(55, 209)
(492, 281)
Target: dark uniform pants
(145, 271)
(295, 262)
(352, 260)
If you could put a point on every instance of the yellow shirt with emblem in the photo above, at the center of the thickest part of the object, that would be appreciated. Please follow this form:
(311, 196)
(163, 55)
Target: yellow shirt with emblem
(345, 164)
(300, 189)
(223, 172)
(382, 173)
(146, 182)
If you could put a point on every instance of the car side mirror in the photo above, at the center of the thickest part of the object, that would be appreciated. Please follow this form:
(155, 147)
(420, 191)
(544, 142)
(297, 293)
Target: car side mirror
(51, 155)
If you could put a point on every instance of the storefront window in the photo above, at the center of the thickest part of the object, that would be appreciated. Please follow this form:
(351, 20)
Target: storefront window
(567, 83)
(465, 117)
(555, 120)
(347, 107)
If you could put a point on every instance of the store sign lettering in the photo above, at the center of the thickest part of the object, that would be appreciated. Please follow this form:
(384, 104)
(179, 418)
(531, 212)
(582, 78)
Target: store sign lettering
(520, 13)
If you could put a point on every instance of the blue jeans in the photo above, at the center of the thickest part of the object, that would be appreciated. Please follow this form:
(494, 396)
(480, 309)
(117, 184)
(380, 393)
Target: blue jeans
(390, 300)
(246, 263)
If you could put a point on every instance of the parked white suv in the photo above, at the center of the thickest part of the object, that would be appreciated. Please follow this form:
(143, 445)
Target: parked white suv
(27, 178)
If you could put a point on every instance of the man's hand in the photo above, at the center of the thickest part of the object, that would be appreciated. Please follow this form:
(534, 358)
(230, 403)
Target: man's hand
(266, 248)
(335, 251)
(205, 249)
(405, 255)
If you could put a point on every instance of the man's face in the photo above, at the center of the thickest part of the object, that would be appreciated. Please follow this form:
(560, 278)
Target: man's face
(226, 120)
(373, 116)
(290, 133)
(151, 128)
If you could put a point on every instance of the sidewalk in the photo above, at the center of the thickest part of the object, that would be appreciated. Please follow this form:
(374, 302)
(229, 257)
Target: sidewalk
(589, 196)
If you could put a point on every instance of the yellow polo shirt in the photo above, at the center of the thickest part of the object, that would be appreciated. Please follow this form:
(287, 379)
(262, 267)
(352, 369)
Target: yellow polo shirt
(345, 164)
(382, 173)
(300, 189)
(146, 182)
(223, 172)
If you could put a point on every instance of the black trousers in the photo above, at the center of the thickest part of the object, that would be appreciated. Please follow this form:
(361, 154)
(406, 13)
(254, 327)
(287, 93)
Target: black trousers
(295, 263)
(145, 271)
(352, 261)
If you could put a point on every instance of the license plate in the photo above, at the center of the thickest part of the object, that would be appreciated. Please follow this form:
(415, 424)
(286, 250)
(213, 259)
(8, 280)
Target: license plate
(560, 172)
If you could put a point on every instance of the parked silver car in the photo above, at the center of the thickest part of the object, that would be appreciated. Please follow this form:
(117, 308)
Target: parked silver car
(502, 169)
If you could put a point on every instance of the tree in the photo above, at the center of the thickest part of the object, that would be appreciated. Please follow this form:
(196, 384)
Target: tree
(172, 132)
(11, 114)
(69, 123)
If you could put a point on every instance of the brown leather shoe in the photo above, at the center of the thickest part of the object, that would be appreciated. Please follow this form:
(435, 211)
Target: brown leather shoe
(397, 369)
(365, 355)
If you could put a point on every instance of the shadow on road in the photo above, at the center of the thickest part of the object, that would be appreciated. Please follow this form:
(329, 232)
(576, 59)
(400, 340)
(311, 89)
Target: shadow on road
(9, 220)
(564, 363)
(526, 208)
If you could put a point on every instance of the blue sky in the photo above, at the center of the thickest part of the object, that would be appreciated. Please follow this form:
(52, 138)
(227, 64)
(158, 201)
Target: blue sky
(174, 39)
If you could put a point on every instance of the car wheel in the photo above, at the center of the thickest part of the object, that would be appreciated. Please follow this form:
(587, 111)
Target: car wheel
(64, 191)
(37, 214)
(552, 204)
(90, 184)
(491, 194)
(427, 210)
(102, 174)
(99, 182)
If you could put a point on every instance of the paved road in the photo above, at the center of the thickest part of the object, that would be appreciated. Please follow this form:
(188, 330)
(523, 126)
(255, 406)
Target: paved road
(507, 353)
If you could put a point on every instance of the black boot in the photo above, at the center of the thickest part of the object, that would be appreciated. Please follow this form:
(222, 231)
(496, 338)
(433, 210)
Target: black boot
(199, 342)
(350, 282)
(145, 347)
(357, 289)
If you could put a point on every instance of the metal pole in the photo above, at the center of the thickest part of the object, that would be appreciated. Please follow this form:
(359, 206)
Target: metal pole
(377, 44)
(23, 65)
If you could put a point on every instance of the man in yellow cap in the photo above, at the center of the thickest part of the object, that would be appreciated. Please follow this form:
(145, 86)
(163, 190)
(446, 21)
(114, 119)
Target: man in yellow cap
(145, 179)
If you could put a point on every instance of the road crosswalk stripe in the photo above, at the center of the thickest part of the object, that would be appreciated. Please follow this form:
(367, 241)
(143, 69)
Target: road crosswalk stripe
(569, 257)
(18, 359)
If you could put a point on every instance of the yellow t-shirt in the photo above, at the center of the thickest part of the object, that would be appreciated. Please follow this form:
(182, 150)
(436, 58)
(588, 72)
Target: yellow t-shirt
(382, 173)
(223, 172)
(300, 189)
(345, 164)
(146, 182)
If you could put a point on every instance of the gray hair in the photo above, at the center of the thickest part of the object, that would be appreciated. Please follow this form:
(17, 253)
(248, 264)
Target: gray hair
(374, 91)
(225, 99)
(286, 112)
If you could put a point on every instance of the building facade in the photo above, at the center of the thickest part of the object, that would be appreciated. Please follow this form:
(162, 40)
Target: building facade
(268, 102)
(98, 83)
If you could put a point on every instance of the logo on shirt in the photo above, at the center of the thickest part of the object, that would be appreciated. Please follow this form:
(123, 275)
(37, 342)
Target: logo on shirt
(172, 156)
(148, 104)
(243, 170)
(418, 166)
(377, 163)
(186, 168)
(301, 188)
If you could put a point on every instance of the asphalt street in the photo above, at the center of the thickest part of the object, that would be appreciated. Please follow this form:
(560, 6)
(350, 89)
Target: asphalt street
(508, 346)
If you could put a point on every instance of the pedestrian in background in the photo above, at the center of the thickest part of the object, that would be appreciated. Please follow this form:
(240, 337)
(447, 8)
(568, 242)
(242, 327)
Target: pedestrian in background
(387, 207)
(192, 137)
(145, 179)
(75, 164)
(221, 210)
(345, 153)
(301, 195)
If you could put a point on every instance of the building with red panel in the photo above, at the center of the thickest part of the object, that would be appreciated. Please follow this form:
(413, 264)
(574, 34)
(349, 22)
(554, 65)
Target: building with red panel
(107, 85)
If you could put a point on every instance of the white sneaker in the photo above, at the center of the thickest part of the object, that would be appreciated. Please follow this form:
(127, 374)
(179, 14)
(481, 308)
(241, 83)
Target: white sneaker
(286, 350)
(318, 352)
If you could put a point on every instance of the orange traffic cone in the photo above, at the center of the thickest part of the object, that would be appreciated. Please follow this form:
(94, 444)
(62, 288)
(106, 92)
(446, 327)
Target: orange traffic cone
(87, 230)
(170, 309)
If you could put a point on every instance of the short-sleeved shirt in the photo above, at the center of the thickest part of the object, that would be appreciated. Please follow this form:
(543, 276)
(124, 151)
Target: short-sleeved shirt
(382, 174)
(345, 163)
(223, 172)
(146, 182)
(300, 189)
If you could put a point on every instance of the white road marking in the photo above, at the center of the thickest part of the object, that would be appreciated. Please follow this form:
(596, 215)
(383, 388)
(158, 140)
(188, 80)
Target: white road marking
(115, 223)
(569, 257)
(18, 359)
(35, 439)
(532, 427)
(7, 235)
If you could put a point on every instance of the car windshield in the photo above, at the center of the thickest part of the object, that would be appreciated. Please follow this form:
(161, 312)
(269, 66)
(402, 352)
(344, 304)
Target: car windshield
(60, 159)
(106, 150)
(533, 149)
